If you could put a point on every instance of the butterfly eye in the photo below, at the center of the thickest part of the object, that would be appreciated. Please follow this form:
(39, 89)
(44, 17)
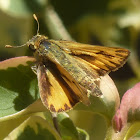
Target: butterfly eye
(31, 47)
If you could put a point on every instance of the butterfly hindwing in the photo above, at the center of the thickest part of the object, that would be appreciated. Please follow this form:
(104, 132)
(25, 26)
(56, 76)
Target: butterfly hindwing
(55, 93)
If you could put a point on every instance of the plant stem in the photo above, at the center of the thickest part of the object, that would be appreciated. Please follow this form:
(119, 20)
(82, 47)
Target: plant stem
(55, 122)
(55, 25)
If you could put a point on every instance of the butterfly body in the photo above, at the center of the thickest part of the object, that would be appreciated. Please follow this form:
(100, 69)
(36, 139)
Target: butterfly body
(47, 50)
(68, 71)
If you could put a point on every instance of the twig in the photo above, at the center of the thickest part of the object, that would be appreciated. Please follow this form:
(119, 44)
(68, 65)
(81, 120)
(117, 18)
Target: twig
(55, 122)
(55, 25)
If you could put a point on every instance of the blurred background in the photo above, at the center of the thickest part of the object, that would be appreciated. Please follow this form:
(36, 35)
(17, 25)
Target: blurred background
(113, 23)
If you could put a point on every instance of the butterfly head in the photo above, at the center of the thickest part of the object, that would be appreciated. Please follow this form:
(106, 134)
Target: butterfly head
(34, 42)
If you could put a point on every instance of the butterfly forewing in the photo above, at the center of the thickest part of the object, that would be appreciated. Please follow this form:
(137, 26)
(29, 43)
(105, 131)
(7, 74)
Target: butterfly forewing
(102, 59)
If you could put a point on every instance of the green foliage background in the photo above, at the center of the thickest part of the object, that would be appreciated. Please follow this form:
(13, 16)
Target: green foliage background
(102, 22)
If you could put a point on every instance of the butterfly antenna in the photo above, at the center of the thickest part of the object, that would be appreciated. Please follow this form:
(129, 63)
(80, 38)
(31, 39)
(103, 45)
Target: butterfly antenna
(9, 46)
(35, 17)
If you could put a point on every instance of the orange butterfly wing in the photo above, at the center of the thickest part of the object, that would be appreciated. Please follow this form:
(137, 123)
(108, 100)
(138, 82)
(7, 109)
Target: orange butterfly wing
(101, 59)
(56, 94)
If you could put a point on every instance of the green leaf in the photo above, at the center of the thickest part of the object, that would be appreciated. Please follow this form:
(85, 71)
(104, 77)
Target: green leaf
(67, 128)
(136, 136)
(17, 85)
(34, 128)
(134, 130)
(83, 135)
(8, 123)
